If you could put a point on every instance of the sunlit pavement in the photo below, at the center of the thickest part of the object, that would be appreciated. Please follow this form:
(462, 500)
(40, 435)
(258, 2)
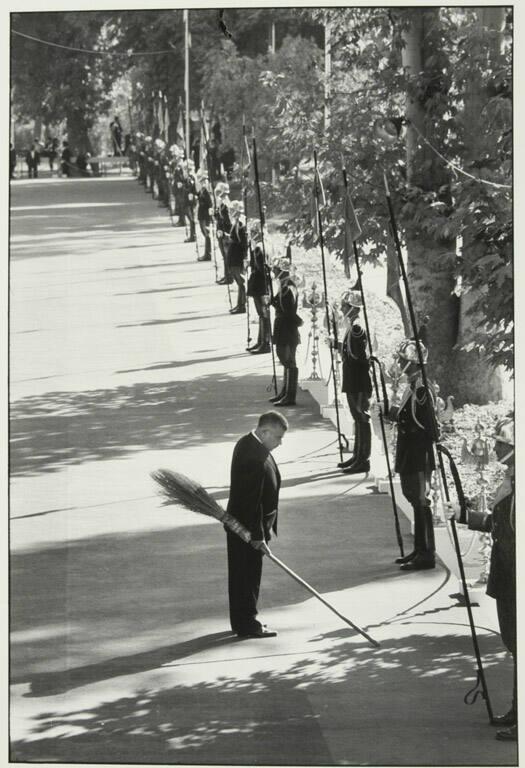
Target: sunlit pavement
(124, 359)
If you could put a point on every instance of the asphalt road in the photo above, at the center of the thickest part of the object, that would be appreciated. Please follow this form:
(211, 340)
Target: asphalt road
(124, 359)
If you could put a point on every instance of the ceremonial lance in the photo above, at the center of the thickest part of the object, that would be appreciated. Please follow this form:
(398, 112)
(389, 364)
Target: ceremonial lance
(329, 324)
(481, 684)
(374, 361)
(268, 283)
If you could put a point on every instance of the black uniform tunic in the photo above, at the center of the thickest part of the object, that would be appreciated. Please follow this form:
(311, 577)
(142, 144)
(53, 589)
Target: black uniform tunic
(356, 374)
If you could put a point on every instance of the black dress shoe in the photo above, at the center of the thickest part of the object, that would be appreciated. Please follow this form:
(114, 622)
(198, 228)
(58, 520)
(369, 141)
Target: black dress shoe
(262, 632)
(357, 468)
(406, 558)
(347, 463)
(238, 311)
(419, 563)
(508, 734)
(204, 258)
(261, 350)
(509, 718)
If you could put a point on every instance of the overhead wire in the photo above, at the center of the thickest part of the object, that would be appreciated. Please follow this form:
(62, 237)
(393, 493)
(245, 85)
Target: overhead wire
(87, 50)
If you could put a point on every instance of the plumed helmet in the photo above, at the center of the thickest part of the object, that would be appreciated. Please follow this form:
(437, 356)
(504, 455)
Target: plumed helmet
(236, 206)
(407, 350)
(351, 297)
(160, 143)
(139, 135)
(281, 265)
(148, 139)
(254, 228)
(504, 431)
(222, 188)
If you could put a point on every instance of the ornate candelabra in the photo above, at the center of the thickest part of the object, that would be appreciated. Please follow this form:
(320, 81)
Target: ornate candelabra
(313, 300)
(479, 453)
(393, 376)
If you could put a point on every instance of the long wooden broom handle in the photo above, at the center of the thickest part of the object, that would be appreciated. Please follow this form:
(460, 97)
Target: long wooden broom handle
(320, 597)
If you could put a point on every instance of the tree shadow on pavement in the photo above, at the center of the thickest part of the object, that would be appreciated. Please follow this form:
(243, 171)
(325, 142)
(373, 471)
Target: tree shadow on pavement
(53, 430)
(344, 704)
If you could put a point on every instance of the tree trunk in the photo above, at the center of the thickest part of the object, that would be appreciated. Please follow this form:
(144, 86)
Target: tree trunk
(478, 380)
(431, 265)
(77, 133)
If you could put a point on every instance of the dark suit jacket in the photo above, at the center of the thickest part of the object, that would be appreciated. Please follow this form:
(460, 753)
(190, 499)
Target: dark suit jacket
(254, 488)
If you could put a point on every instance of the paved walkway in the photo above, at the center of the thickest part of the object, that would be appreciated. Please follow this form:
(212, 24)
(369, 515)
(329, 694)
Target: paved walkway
(124, 359)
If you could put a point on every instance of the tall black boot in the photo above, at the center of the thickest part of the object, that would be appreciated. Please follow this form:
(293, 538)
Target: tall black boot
(259, 338)
(430, 544)
(266, 343)
(355, 449)
(291, 389)
(424, 545)
(366, 441)
(361, 461)
(282, 393)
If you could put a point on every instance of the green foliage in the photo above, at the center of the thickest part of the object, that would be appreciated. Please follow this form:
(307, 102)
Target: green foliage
(462, 94)
(51, 84)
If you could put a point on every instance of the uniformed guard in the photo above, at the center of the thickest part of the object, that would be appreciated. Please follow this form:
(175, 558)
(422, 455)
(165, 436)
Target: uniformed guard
(501, 583)
(190, 197)
(224, 225)
(415, 455)
(148, 160)
(237, 253)
(141, 158)
(258, 288)
(179, 191)
(204, 213)
(286, 331)
(356, 383)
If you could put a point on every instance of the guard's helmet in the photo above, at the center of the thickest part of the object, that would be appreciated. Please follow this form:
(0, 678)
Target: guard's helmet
(504, 431)
(148, 139)
(222, 188)
(351, 297)
(407, 350)
(236, 206)
(281, 265)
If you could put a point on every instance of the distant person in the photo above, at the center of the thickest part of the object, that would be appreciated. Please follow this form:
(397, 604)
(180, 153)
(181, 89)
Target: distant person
(12, 161)
(82, 163)
(127, 143)
(65, 158)
(33, 160)
(52, 150)
(116, 135)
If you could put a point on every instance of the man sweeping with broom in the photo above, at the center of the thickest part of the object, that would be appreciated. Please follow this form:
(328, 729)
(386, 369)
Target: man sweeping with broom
(253, 501)
(249, 520)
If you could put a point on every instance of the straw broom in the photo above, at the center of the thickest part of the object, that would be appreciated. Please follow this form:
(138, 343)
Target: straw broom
(176, 488)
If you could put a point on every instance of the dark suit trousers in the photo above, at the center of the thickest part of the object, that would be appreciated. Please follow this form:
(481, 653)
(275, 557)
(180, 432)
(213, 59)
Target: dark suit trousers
(244, 580)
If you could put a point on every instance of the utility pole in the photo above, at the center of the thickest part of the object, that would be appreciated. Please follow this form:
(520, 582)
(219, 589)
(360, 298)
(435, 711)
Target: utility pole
(271, 50)
(272, 37)
(327, 71)
(187, 81)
